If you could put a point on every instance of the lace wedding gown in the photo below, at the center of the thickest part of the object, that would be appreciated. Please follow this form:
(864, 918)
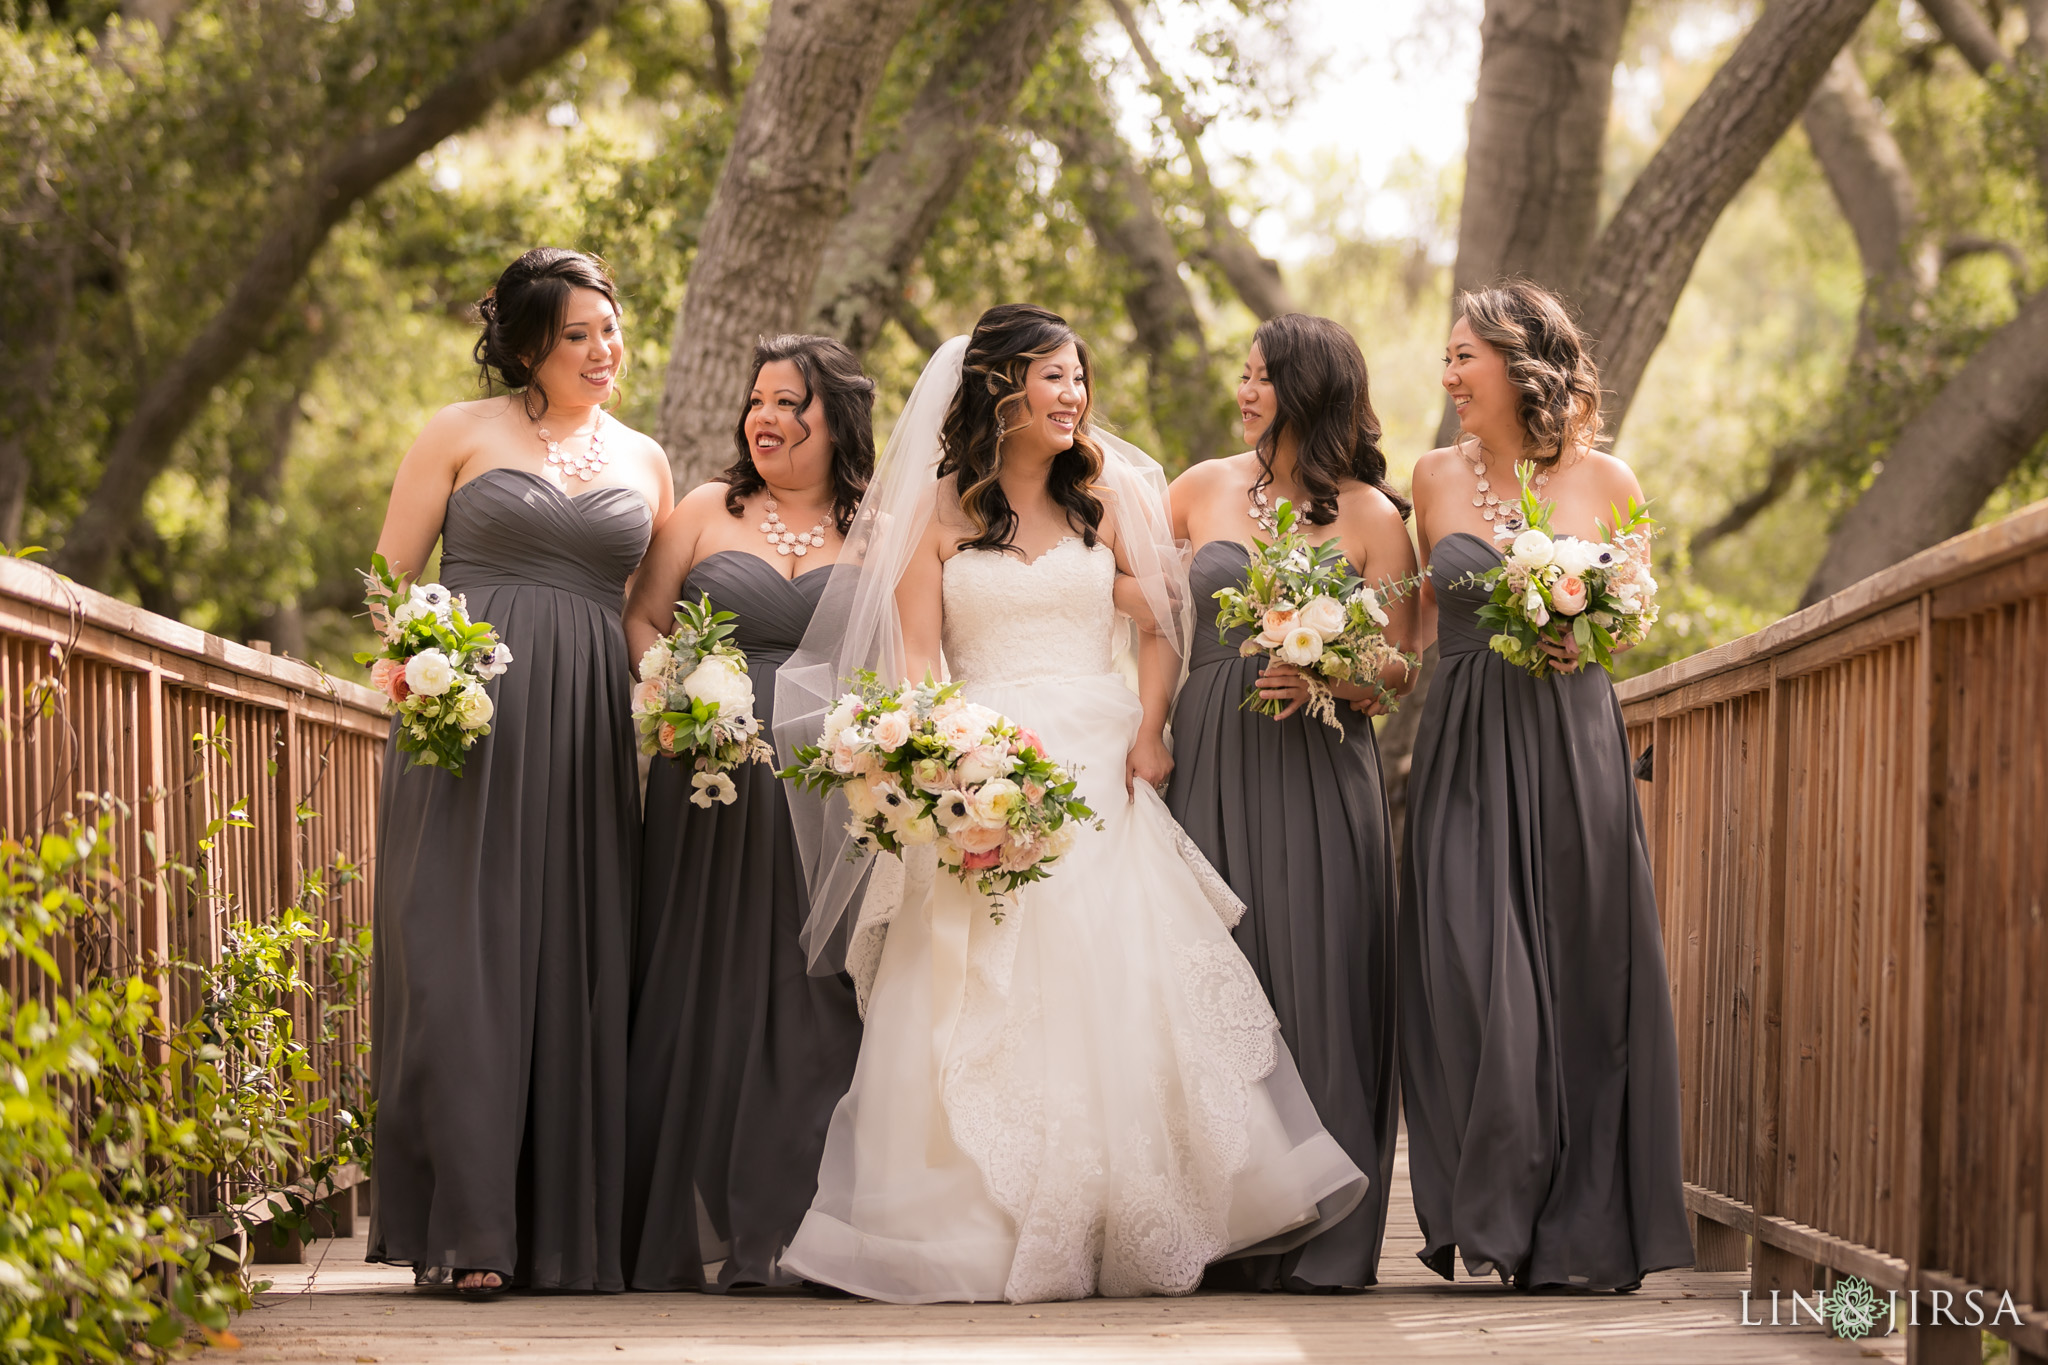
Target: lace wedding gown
(1092, 1096)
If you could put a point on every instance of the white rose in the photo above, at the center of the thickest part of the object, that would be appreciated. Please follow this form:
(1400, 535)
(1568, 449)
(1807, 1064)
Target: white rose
(995, 800)
(473, 708)
(1573, 556)
(656, 660)
(839, 717)
(1324, 616)
(860, 797)
(1301, 647)
(1532, 549)
(406, 615)
(1060, 841)
(982, 763)
(919, 831)
(429, 673)
(720, 681)
(891, 731)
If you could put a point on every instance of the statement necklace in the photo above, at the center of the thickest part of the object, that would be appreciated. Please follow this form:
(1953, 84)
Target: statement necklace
(1261, 511)
(788, 542)
(1487, 501)
(586, 466)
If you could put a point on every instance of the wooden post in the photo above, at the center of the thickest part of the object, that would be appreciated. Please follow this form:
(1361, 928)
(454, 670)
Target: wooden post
(1716, 1246)
(1772, 1268)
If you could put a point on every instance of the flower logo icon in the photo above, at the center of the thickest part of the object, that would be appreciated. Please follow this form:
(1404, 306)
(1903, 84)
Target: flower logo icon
(1853, 1309)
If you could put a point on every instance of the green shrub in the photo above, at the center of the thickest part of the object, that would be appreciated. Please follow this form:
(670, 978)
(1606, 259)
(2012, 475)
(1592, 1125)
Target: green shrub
(110, 1113)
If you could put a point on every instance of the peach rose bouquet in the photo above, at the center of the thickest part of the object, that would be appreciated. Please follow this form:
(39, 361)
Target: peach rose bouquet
(1305, 607)
(920, 764)
(1599, 593)
(433, 666)
(695, 703)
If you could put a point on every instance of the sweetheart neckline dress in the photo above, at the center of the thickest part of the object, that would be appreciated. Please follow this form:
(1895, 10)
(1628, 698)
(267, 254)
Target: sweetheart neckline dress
(1089, 1097)
(738, 1056)
(503, 912)
(1539, 1058)
(1295, 819)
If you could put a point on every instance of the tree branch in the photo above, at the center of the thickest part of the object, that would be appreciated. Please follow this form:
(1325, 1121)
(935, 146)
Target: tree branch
(784, 186)
(1255, 278)
(168, 405)
(1966, 28)
(900, 196)
(1950, 458)
(1647, 251)
(1117, 203)
(721, 49)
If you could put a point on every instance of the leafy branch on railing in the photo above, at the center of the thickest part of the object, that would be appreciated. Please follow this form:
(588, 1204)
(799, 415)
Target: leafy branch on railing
(108, 1112)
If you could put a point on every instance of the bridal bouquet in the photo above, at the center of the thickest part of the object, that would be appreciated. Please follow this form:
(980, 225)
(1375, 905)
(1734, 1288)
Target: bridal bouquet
(1599, 593)
(920, 764)
(696, 702)
(433, 666)
(1308, 609)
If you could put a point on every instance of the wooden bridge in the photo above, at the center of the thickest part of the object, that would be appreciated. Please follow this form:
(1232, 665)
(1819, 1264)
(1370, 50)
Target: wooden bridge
(1849, 820)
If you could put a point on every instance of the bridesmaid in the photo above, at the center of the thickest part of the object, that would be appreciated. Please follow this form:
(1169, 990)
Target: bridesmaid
(1538, 1056)
(1291, 813)
(504, 896)
(738, 1055)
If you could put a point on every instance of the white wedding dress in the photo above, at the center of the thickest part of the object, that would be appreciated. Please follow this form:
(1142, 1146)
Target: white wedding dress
(1092, 1096)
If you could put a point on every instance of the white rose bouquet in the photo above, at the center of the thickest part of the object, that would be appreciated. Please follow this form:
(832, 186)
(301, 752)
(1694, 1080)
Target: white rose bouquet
(695, 702)
(920, 764)
(1305, 607)
(1600, 593)
(433, 666)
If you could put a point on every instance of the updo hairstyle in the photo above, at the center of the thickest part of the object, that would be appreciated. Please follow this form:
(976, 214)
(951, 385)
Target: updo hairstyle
(522, 316)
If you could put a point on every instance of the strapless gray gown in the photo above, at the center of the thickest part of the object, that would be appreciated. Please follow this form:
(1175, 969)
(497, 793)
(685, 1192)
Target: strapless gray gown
(503, 907)
(738, 1055)
(1539, 1061)
(1296, 821)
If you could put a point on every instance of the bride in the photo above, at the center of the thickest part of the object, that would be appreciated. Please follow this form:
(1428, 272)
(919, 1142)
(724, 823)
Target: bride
(1089, 1096)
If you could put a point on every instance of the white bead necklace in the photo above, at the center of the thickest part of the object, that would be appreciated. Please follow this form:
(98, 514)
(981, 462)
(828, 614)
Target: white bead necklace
(586, 466)
(788, 542)
(1487, 501)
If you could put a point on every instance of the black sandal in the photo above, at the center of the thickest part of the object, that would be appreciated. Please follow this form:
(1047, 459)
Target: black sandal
(481, 1292)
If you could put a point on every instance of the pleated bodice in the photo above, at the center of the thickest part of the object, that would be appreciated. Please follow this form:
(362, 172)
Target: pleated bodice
(509, 528)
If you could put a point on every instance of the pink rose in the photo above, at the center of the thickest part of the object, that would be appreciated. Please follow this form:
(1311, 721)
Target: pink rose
(1033, 792)
(978, 838)
(666, 735)
(1021, 853)
(1568, 595)
(981, 861)
(891, 730)
(1278, 621)
(1028, 739)
(388, 677)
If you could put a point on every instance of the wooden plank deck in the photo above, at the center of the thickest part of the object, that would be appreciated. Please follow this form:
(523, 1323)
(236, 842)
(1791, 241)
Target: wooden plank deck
(335, 1307)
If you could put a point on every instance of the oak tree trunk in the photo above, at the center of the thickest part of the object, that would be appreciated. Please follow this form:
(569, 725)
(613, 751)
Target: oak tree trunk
(901, 195)
(1646, 252)
(785, 184)
(175, 396)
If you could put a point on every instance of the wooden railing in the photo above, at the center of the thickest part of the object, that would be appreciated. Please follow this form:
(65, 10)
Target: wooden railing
(1848, 819)
(103, 699)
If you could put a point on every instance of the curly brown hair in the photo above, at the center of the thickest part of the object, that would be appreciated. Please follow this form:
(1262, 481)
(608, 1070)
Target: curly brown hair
(830, 372)
(521, 319)
(1548, 362)
(1007, 340)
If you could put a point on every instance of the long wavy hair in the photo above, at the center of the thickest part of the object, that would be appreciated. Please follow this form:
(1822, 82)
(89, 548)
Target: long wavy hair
(522, 319)
(1007, 340)
(833, 374)
(1548, 362)
(1322, 395)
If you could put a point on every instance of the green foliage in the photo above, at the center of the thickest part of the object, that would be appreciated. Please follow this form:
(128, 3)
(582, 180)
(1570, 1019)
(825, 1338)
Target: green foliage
(109, 1112)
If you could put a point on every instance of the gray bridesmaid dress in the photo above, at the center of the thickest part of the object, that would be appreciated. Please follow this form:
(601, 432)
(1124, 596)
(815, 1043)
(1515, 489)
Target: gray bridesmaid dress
(503, 905)
(1539, 1061)
(1296, 821)
(738, 1054)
